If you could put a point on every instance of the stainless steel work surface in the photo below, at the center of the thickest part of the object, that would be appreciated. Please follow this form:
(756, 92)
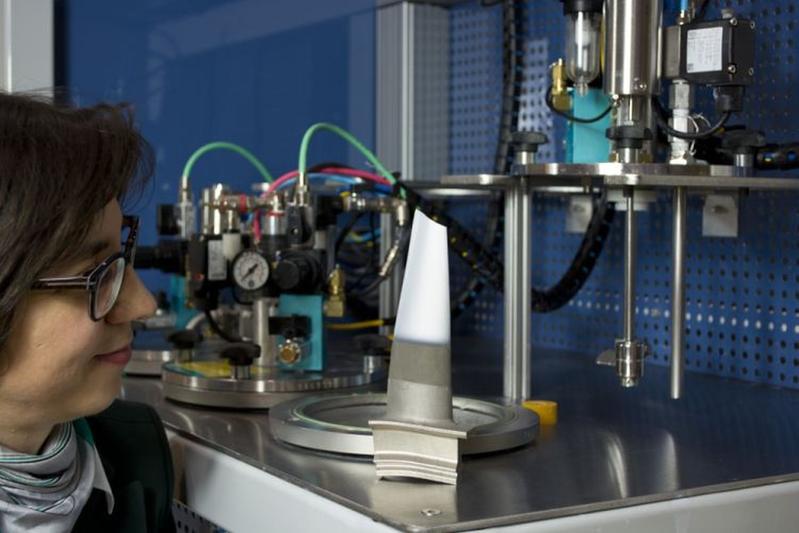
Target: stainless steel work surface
(612, 447)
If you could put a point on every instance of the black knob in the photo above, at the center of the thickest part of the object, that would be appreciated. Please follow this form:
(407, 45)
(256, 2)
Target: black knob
(297, 272)
(527, 141)
(185, 339)
(629, 136)
(289, 274)
(241, 353)
(743, 141)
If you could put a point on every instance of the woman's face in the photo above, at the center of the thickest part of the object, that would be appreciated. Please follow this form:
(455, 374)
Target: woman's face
(58, 364)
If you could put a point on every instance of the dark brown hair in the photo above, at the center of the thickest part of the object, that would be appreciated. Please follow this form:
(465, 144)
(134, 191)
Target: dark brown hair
(59, 166)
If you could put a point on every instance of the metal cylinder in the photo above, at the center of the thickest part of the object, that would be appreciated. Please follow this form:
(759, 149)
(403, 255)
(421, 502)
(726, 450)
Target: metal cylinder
(302, 195)
(187, 217)
(681, 99)
(630, 250)
(240, 372)
(274, 223)
(511, 348)
(630, 362)
(207, 212)
(516, 364)
(629, 155)
(631, 110)
(745, 160)
(262, 309)
(214, 221)
(678, 292)
(632, 47)
(524, 301)
(219, 220)
(231, 220)
(524, 157)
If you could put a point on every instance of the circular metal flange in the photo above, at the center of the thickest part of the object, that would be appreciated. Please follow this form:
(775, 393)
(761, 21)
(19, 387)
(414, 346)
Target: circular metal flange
(208, 383)
(149, 362)
(340, 423)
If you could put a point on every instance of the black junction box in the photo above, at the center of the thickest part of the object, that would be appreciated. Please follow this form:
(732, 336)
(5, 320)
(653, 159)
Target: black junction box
(718, 52)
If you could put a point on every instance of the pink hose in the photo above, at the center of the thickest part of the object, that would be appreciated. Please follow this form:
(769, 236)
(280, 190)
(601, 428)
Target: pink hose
(369, 176)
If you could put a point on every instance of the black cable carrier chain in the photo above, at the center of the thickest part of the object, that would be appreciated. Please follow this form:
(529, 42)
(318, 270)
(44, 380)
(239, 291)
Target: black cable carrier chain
(513, 34)
(488, 269)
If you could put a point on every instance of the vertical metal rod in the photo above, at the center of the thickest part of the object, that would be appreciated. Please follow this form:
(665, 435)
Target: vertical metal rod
(517, 378)
(516, 360)
(509, 369)
(678, 293)
(525, 286)
(261, 311)
(629, 266)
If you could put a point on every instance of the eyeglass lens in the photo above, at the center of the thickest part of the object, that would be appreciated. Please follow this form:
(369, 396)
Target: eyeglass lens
(108, 287)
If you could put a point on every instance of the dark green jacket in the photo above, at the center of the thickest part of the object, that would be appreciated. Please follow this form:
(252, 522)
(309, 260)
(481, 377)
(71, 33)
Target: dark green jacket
(133, 448)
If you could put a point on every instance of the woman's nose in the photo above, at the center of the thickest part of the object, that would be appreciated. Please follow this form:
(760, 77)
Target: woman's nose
(135, 302)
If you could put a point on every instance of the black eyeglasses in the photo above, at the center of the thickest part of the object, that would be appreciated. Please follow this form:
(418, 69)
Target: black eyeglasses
(104, 281)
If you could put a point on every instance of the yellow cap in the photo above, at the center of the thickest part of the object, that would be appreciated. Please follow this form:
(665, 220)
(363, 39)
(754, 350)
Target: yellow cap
(546, 410)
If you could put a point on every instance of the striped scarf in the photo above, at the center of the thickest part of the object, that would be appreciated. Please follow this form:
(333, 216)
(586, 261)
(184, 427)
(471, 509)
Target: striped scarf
(46, 492)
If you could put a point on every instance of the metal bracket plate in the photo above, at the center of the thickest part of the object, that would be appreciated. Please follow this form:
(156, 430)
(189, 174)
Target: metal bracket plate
(720, 216)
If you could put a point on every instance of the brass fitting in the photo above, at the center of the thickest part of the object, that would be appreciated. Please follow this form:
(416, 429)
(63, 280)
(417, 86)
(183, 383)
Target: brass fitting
(290, 352)
(334, 305)
(561, 100)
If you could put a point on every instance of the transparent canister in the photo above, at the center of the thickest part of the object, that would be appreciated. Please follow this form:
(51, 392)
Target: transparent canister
(583, 31)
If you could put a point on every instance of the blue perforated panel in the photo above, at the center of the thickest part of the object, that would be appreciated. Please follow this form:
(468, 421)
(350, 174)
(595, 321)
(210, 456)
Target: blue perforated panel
(742, 294)
(254, 73)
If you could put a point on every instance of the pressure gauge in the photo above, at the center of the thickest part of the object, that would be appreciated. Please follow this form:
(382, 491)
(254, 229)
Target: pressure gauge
(250, 270)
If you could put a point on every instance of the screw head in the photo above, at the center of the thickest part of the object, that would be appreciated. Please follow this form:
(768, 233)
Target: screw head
(431, 512)
(752, 24)
(640, 85)
(731, 68)
(751, 71)
(733, 21)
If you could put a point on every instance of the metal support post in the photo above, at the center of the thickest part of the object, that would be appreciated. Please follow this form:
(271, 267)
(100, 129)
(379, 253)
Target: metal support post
(263, 308)
(630, 250)
(678, 293)
(518, 220)
(412, 115)
(630, 352)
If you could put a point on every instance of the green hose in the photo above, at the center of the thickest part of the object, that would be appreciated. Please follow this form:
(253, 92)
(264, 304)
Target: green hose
(222, 145)
(306, 140)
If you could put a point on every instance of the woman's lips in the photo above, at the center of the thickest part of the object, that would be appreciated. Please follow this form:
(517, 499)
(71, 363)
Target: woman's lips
(119, 357)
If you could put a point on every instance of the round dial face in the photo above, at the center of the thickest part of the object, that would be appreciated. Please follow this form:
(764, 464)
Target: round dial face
(250, 270)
